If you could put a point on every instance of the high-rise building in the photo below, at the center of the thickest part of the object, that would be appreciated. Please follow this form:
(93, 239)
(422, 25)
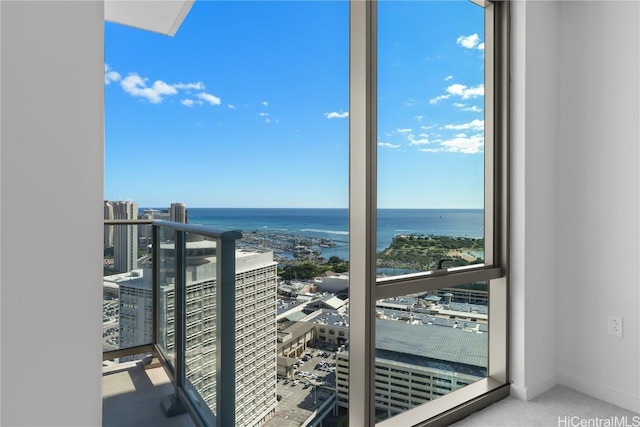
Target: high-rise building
(125, 237)
(256, 325)
(178, 212)
(135, 298)
(108, 229)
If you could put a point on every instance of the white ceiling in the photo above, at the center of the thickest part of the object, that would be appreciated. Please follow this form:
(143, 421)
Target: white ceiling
(160, 16)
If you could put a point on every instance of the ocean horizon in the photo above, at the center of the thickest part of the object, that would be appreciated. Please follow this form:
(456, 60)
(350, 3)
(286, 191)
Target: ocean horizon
(333, 223)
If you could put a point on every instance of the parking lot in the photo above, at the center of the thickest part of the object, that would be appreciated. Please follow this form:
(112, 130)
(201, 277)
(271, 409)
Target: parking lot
(316, 383)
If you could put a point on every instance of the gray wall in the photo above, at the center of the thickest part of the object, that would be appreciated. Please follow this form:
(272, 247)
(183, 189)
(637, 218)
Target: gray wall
(51, 169)
(576, 196)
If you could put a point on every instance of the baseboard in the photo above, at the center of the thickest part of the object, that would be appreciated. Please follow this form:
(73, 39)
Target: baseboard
(615, 397)
(528, 393)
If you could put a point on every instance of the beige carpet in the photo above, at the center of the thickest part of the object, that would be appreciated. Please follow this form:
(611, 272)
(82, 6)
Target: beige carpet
(559, 407)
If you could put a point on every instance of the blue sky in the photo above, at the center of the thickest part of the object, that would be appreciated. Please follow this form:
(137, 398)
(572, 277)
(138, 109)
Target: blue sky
(247, 106)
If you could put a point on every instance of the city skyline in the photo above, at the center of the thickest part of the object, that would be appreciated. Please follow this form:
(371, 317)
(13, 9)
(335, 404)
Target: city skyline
(234, 99)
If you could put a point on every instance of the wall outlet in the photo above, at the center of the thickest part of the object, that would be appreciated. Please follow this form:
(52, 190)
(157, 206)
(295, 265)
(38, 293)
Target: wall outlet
(614, 326)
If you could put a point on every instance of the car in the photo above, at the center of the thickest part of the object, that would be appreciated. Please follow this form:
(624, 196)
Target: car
(306, 385)
(286, 381)
(278, 398)
(295, 383)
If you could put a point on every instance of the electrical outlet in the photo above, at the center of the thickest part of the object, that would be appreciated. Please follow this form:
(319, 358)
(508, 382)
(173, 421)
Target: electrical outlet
(614, 325)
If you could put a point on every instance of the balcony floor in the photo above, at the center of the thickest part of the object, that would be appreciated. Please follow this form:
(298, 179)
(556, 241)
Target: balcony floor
(131, 397)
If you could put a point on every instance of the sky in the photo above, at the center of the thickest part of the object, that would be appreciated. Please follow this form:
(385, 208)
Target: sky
(248, 106)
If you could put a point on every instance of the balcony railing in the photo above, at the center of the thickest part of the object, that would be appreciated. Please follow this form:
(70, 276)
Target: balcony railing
(170, 292)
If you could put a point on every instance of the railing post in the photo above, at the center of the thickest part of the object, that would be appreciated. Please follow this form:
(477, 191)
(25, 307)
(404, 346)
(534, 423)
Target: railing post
(172, 404)
(226, 333)
(155, 280)
(180, 310)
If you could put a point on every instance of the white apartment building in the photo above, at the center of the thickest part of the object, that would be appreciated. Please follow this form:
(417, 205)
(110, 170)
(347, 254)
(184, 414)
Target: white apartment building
(135, 309)
(416, 364)
(256, 326)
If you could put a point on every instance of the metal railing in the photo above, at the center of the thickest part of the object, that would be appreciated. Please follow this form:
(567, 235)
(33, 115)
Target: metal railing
(205, 280)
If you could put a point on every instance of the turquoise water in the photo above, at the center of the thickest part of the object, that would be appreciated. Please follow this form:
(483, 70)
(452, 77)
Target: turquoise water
(333, 223)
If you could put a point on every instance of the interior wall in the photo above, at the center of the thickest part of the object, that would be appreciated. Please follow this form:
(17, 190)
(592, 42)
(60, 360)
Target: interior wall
(598, 244)
(51, 172)
(575, 198)
(534, 125)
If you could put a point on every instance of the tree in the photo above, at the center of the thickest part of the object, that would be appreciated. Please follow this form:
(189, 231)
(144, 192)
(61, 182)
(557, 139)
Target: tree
(302, 271)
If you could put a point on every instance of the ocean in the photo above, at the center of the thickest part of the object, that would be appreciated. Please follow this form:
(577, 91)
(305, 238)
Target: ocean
(333, 223)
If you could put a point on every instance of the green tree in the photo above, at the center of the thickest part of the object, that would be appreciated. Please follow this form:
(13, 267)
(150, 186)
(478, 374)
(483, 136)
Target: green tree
(302, 271)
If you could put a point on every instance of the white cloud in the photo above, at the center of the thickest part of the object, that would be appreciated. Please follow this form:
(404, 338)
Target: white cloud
(388, 145)
(267, 120)
(233, 107)
(466, 107)
(265, 103)
(187, 102)
(135, 85)
(207, 97)
(448, 78)
(481, 46)
(189, 86)
(466, 92)
(474, 124)
(456, 89)
(406, 130)
(437, 99)
(263, 114)
(336, 115)
(111, 75)
(461, 143)
(419, 118)
(473, 92)
(423, 140)
(469, 42)
(427, 127)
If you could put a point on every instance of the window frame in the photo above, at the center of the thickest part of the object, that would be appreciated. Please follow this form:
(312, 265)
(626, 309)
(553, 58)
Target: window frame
(363, 226)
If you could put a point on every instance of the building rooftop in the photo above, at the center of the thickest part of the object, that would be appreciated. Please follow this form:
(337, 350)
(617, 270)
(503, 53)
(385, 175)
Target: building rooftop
(432, 341)
(284, 306)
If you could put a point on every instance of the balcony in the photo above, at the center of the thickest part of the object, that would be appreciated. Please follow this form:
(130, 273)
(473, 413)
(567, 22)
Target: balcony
(131, 393)
(164, 364)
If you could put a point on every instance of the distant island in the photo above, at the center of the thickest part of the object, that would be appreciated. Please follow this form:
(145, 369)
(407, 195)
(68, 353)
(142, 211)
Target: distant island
(423, 252)
(413, 251)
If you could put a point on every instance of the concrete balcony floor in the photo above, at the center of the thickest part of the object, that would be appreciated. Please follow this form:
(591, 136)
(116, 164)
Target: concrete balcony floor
(131, 394)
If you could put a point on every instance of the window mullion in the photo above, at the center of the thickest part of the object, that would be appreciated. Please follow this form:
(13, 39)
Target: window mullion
(362, 210)
(424, 283)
